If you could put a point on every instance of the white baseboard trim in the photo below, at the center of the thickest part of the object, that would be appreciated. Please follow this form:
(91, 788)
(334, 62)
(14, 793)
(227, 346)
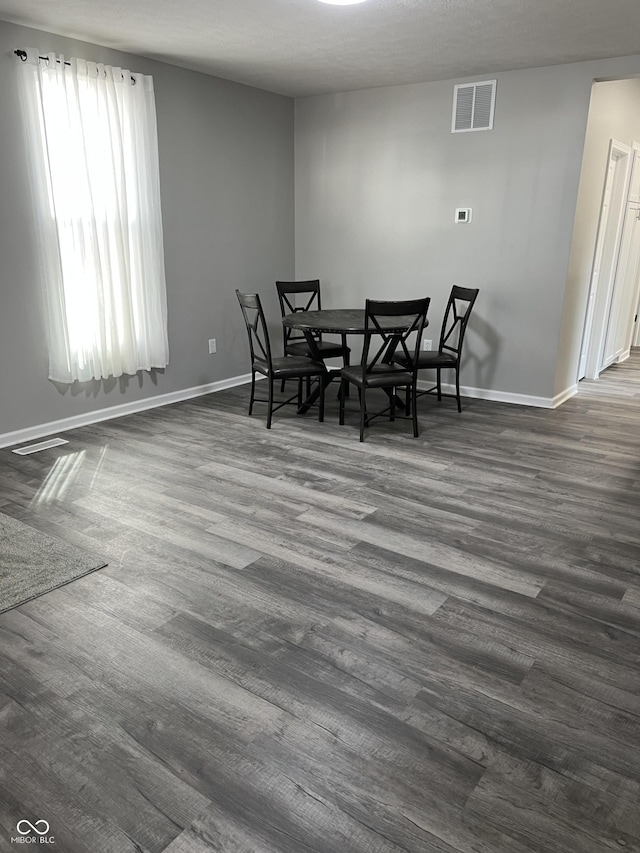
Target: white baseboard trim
(505, 396)
(94, 417)
(565, 395)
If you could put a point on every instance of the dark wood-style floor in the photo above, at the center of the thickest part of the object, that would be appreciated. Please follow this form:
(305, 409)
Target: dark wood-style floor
(304, 644)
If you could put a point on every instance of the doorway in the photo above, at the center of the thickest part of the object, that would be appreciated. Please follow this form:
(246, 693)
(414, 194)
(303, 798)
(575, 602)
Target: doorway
(621, 307)
(607, 286)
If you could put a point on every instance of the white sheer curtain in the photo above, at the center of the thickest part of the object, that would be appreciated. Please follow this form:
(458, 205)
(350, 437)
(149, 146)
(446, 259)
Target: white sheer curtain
(94, 151)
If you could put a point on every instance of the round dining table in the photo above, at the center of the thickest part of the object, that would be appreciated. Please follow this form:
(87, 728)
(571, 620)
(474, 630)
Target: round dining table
(337, 321)
(341, 321)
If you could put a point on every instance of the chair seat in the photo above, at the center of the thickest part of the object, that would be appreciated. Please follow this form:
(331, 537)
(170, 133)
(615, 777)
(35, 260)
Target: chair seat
(381, 376)
(290, 365)
(327, 349)
(429, 359)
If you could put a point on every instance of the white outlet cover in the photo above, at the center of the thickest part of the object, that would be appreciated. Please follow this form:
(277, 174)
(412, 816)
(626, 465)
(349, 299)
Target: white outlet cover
(463, 214)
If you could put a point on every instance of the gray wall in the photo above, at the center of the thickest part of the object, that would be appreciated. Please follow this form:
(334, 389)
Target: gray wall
(226, 172)
(379, 175)
(614, 114)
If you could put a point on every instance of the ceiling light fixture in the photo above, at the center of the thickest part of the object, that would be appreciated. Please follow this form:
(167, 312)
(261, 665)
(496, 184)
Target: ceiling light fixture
(342, 2)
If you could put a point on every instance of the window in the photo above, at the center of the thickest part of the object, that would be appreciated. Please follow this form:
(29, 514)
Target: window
(93, 145)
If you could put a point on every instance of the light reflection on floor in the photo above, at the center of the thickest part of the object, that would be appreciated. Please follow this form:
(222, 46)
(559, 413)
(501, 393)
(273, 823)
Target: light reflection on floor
(65, 474)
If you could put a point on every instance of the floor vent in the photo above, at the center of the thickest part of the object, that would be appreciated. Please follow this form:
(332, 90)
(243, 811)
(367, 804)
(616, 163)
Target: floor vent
(42, 445)
(473, 106)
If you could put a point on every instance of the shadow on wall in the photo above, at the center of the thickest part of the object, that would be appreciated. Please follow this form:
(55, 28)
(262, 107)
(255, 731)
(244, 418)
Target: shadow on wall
(480, 357)
(98, 387)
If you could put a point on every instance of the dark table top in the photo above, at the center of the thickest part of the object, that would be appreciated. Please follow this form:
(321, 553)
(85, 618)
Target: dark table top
(341, 321)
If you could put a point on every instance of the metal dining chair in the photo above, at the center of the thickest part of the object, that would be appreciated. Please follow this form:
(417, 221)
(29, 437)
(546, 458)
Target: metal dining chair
(276, 368)
(449, 352)
(295, 296)
(377, 369)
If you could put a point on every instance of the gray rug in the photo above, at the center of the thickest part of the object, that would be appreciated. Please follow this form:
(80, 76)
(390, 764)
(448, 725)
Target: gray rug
(32, 563)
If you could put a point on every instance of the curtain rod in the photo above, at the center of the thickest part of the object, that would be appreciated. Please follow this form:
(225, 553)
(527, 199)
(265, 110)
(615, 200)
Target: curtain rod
(23, 56)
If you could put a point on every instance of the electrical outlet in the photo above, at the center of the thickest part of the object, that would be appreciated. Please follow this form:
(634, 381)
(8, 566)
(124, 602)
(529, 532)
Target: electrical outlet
(212, 346)
(426, 345)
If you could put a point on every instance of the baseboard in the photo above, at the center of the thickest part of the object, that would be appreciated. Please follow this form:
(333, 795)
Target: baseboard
(505, 396)
(565, 395)
(9, 439)
(43, 430)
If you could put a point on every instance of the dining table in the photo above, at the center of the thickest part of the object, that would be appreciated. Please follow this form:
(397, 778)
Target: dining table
(337, 321)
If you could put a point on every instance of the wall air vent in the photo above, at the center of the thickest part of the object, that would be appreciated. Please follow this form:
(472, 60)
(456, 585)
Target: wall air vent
(473, 106)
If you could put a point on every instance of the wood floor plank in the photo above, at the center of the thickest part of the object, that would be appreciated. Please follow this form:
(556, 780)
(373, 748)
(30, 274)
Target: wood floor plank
(107, 651)
(82, 750)
(189, 842)
(414, 546)
(555, 815)
(553, 635)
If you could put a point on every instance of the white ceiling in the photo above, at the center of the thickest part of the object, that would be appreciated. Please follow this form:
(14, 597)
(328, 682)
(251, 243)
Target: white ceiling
(304, 47)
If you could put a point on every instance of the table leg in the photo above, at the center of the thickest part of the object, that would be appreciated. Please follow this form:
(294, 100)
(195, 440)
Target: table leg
(325, 380)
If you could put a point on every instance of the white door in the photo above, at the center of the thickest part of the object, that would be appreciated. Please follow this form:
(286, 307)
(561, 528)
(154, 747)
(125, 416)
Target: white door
(624, 293)
(603, 271)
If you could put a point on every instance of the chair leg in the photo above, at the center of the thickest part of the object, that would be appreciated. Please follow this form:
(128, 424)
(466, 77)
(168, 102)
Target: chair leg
(362, 399)
(321, 400)
(458, 389)
(392, 405)
(343, 390)
(439, 383)
(346, 356)
(363, 411)
(300, 392)
(282, 384)
(253, 391)
(414, 407)
(407, 402)
(270, 403)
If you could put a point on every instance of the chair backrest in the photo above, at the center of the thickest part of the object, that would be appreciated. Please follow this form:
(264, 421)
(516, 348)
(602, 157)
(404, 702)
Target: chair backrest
(256, 324)
(295, 296)
(456, 317)
(411, 317)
